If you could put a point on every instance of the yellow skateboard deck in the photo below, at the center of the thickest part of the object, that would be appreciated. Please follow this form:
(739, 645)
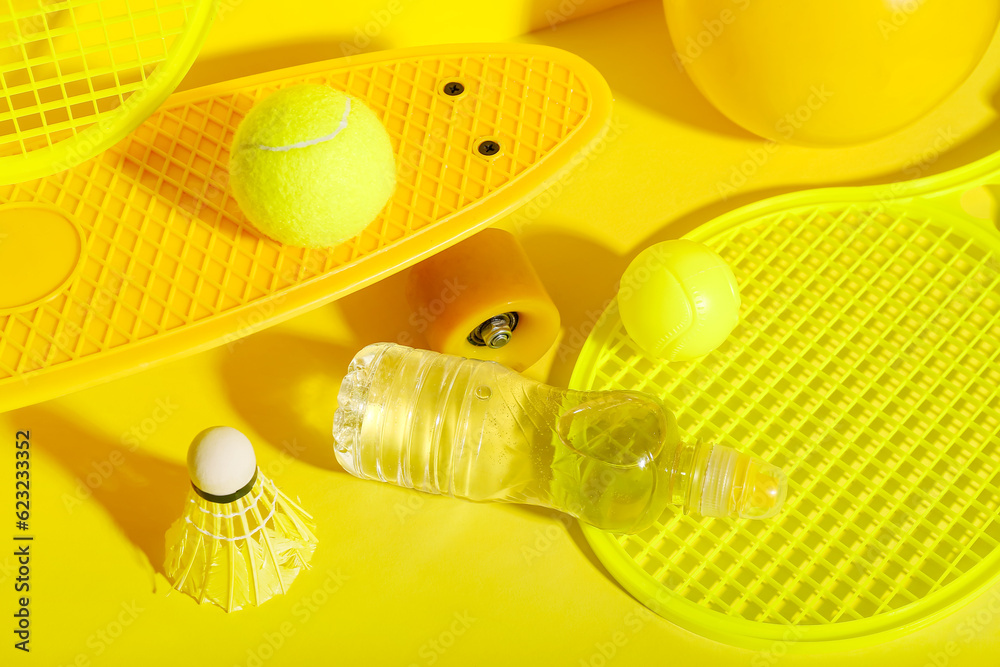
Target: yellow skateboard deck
(141, 254)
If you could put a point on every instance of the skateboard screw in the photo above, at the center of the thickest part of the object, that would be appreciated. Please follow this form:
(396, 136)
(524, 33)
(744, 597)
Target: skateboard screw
(489, 147)
(453, 88)
(495, 332)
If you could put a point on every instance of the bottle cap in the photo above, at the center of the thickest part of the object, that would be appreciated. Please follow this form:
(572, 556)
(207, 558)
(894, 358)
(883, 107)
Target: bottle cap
(763, 490)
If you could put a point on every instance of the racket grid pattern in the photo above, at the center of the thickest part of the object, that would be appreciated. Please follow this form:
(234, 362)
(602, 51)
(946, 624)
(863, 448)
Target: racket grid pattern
(867, 365)
(68, 64)
(167, 247)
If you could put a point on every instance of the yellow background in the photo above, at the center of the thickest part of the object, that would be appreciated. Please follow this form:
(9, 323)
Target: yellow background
(402, 578)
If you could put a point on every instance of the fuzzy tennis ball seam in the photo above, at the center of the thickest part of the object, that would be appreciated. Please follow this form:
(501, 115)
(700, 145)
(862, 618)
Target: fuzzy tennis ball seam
(312, 142)
(312, 166)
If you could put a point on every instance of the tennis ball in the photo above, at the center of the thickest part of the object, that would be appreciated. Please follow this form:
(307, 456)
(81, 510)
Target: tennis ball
(311, 166)
(678, 300)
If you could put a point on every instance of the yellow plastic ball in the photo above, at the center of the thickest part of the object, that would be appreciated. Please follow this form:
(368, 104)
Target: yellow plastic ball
(678, 300)
(816, 72)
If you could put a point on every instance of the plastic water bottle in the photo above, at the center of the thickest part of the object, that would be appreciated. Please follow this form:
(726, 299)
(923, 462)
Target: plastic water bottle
(477, 430)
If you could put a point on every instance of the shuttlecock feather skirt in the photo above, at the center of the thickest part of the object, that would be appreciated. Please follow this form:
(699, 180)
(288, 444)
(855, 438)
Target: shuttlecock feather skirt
(240, 553)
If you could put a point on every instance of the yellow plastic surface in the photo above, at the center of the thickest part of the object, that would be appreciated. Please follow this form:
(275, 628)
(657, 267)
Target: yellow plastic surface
(26, 233)
(482, 277)
(865, 365)
(78, 75)
(401, 578)
(173, 266)
(816, 72)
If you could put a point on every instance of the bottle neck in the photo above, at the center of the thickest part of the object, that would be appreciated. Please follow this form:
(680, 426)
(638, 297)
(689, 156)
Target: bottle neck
(718, 481)
(685, 467)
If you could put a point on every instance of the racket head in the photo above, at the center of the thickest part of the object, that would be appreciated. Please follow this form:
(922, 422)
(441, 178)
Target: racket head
(78, 75)
(865, 365)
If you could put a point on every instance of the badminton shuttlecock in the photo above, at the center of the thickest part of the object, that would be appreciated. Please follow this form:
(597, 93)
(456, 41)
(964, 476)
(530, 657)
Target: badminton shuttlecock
(240, 540)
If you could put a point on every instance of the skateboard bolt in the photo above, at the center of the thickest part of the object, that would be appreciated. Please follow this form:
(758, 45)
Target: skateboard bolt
(495, 332)
(489, 148)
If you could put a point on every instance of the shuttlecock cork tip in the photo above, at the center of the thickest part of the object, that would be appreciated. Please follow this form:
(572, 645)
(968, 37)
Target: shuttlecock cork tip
(222, 464)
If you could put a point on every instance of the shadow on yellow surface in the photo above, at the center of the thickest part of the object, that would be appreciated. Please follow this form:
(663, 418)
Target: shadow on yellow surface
(985, 142)
(573, 530)
(142, 493)
(285, 386)
(581, 295)
(273, 57)
(380, 312)
(636, 57)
